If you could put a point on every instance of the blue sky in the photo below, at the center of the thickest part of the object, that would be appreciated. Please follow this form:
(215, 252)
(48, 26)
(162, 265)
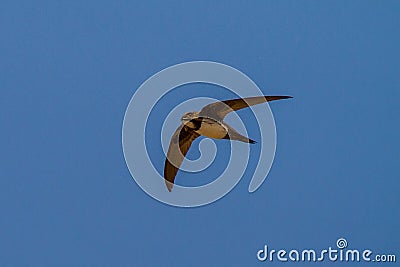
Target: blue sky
(69, 68)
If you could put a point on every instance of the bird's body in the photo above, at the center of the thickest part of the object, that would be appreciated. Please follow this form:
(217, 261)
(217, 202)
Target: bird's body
(212, 128)
(209, 127)
(209, 122)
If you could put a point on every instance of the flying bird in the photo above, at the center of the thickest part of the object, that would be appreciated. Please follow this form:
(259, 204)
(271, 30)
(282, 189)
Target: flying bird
(209, 122)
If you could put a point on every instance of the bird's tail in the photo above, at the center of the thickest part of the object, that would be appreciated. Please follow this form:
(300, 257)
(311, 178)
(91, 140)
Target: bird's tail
(233, 135)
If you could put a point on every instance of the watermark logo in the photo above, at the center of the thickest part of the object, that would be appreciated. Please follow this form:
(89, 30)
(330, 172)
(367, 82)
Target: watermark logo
(136, 119)
(341, 243)
(341, 253)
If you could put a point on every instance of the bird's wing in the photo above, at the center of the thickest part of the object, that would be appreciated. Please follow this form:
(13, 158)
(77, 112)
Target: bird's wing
(219, 110)
(178, 147)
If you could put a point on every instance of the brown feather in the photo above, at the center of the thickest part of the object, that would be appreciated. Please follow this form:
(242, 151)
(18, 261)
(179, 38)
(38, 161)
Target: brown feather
(219, 110)
(178, 148)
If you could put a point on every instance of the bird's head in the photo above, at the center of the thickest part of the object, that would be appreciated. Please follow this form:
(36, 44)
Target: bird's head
(188, 116)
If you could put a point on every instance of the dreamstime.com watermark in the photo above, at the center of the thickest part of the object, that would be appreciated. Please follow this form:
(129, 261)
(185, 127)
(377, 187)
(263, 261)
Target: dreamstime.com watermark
(339, 253)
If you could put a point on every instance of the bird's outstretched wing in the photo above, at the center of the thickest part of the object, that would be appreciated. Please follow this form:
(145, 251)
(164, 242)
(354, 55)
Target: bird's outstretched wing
(219, 110)
(178, 147)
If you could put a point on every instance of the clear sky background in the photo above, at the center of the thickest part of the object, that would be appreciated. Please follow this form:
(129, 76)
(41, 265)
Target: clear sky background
(69, 68)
